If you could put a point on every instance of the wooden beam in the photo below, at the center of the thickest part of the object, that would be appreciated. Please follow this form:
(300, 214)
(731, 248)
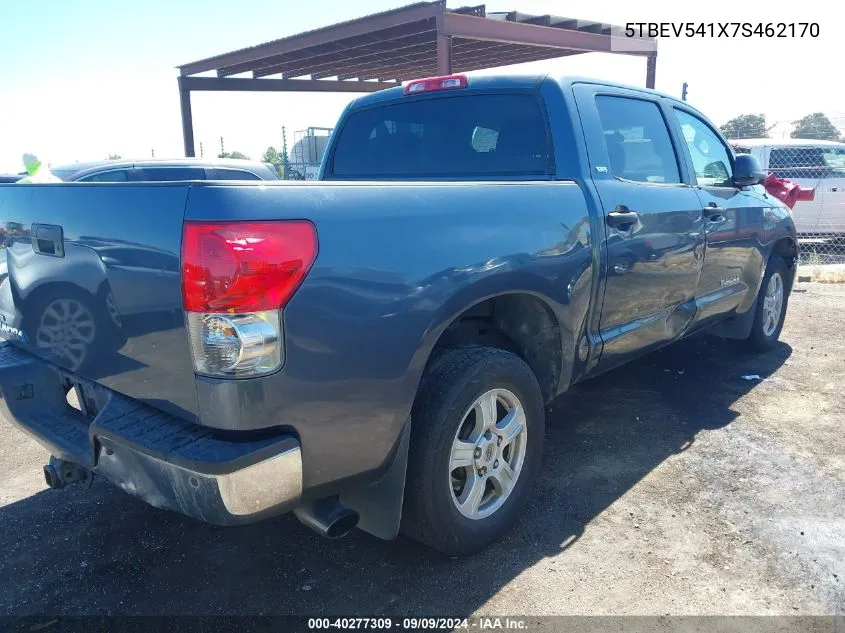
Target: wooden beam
(650, 70)
(459, 25)
(245, 84)
(354, 28)
(444, 54)
(187, 119)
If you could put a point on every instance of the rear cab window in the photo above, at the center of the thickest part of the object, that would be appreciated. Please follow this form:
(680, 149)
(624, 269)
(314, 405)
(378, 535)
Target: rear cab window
(503, 134)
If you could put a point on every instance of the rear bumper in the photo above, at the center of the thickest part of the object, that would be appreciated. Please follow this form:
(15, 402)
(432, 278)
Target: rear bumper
(217, 477)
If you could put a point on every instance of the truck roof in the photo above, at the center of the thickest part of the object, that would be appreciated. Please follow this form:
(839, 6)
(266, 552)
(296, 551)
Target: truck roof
(514, 81)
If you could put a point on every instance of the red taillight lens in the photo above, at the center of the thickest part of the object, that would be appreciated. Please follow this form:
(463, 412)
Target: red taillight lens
(240, 267)
(432, 84)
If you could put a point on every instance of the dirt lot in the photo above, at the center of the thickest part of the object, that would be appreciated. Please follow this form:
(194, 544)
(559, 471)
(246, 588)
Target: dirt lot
(670, 486)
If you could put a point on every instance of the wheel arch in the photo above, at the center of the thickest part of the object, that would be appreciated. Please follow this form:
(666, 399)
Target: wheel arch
(785, 247)
(524, 322)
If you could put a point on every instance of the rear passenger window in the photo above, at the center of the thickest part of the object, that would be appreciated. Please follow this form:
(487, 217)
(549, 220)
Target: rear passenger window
(162, 174)
(454, 136)
(235, 174)
(639, 147)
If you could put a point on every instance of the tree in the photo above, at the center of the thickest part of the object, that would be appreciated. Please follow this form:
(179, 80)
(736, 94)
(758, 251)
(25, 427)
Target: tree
(271, 156)
(114, 157)
(746, 126)
(816, 126)
(235, 154)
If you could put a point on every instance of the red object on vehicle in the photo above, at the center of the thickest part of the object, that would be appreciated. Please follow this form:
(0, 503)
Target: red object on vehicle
(241, 267)
(788, 192)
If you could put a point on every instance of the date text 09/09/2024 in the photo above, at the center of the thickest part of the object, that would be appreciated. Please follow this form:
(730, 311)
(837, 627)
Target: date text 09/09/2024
(419, 624)
(722, 29)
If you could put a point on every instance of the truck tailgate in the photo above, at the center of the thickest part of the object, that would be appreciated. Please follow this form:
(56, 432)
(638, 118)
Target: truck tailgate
(90, 280)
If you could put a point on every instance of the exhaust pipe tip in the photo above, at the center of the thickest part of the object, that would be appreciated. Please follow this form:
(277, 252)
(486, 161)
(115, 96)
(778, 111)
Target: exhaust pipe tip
(59, 473)
(51, 477)
(328, 517)
(343, 524)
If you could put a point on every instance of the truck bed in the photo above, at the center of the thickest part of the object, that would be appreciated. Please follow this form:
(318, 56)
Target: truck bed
(420, 250)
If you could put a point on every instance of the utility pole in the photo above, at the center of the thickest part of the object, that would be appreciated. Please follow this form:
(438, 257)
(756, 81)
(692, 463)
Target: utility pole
(201, 155)
(153, 152)
(222, 149)
(684, 91)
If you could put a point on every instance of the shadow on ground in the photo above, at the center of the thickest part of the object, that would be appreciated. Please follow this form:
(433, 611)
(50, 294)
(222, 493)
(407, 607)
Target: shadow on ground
(102, 552)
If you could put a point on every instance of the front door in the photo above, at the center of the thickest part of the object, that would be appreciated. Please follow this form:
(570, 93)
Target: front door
(734, 222)
(653, 222)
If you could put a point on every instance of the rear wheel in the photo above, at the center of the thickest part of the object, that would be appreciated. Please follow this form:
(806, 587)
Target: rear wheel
(476, 443)
(771, 306)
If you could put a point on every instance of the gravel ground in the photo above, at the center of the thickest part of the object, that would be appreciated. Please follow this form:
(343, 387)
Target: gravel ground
(670, 486)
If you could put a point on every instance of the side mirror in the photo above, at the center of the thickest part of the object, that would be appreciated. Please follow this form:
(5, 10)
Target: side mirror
(747, 171)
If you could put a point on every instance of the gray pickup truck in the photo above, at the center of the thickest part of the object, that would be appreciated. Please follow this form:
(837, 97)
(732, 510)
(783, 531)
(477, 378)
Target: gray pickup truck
(377, 349)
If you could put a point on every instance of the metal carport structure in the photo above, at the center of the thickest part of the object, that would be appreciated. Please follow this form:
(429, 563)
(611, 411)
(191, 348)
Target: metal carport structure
(380, 51)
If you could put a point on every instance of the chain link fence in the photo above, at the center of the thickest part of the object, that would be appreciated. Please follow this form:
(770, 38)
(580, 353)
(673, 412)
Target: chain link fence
(812, 164)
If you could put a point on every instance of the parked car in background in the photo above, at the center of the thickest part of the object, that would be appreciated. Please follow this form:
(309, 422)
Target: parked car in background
(812, 164)
(161, 169)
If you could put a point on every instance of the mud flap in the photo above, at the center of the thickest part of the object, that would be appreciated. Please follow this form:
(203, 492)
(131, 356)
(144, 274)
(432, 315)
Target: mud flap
(379, 505)
(738, 327)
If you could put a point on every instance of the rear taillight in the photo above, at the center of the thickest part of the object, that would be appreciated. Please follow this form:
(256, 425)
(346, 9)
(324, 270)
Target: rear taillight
(236, 278)
(433, 84)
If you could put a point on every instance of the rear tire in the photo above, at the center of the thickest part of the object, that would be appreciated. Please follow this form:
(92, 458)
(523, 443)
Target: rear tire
(471, 468)
(770, 311)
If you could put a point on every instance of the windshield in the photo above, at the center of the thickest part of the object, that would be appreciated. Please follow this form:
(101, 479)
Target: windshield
(834, 157)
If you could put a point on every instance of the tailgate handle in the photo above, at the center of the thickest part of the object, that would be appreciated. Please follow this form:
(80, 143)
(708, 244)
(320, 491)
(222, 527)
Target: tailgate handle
(48, 239)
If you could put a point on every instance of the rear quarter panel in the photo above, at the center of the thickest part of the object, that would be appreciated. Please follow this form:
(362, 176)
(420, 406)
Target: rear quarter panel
(396, 263)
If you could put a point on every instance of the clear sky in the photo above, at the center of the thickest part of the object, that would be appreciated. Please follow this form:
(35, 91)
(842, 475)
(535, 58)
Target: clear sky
(82, 79)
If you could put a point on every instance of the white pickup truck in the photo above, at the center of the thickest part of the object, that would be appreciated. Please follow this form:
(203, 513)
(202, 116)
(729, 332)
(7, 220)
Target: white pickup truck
(812, 164)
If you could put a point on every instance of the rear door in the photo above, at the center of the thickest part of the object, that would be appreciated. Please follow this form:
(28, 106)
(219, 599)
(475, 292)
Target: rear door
(654, 227)
(733, 218)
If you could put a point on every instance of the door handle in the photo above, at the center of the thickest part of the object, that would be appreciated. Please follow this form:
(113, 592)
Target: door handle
(621, 216)
(713, 212)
